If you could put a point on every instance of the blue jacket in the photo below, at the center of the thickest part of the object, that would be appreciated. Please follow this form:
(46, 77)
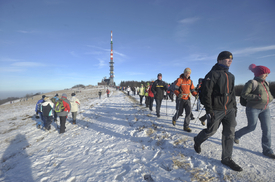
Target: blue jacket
(38, 105)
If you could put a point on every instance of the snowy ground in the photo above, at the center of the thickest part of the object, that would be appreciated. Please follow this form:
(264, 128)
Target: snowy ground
(115, 139)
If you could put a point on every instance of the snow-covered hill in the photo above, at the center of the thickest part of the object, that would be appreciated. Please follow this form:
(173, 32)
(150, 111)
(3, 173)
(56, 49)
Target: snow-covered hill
(115, 139)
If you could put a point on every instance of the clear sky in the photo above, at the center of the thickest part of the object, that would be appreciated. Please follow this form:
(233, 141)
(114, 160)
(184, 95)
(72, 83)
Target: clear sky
(56, 44)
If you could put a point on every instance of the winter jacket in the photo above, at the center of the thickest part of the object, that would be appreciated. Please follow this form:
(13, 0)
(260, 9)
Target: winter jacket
(74, 104)
(150, 93)
(107, 91)
(67, 106)
(38, 105)
(184, 86)
(158, 89)
(146, 91)
(47, 108)
(128, 89)
(218, 92)
(141, 91)
(260, 97)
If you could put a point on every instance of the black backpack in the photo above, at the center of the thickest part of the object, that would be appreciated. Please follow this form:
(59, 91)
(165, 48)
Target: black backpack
(255, 84)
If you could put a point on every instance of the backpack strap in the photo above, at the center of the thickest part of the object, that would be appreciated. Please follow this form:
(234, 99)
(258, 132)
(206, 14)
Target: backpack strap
(254, 85)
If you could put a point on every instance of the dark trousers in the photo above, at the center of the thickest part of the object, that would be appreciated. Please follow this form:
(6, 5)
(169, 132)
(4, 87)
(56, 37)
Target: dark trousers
(107, 95)
(128, 92)
(158, 105)
(74, 116)
(141, 98)
(186, 105)
(151, 100)
(171, 96)
(55, 115)
(146, 101)
(47, 122)
(62, 123)
(229, 123)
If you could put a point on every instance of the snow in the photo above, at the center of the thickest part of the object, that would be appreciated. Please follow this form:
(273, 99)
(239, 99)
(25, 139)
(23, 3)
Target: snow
(116, 139)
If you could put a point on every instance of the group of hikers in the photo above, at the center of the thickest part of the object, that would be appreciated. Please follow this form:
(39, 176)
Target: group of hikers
(215, 92)
(49, 109)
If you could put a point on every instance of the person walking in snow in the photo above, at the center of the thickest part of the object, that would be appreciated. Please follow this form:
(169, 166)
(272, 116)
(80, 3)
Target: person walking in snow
(128, 90)
(64, 113)
(54, 100)
(220, 105)
(38, 112)
(47, 112)
(108, 92)
(141, 93)
(146, 94)
(75, 103)
(158, 88)
(99, 94)
(151, 96)
(183, 88)
(257, 107)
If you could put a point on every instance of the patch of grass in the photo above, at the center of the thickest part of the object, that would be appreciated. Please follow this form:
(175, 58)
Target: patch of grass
(150, 131)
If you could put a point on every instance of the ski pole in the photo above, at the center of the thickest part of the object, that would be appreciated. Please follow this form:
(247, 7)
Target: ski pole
(194, 104)
(199, 115)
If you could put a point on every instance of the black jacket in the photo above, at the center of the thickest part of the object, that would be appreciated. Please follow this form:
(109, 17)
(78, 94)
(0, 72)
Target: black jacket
(218, 92)
(158, 89)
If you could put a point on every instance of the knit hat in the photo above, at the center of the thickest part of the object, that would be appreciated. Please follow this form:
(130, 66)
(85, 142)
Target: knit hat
(43, 96)
(187, 70)
(159, 74)
(73, 94)
(225, 55)
(64, 95)
(259, 70)
(56, 95)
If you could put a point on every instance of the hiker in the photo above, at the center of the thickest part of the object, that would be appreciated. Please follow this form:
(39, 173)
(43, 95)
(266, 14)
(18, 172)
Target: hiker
(38, 112)
(158, 89)
(133, 90)
(151, 96)
(170, 93)
(137, 90)
(75, 103)
(184, 87)
(47, 112)
(128, 90)
(257, 107)
(220, 105)
(146, 94)
(141, 93)
(54, 100)
(63, 114)
(99, 94)
(108, 92)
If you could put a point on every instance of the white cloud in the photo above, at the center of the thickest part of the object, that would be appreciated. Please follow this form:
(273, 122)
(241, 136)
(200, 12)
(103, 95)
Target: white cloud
(101, 63)
(252, 50)
(271, 55)
(8, 60)
(27, 64)
(189, 20)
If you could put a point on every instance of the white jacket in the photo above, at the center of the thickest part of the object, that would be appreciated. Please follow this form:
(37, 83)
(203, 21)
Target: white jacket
(74, 104)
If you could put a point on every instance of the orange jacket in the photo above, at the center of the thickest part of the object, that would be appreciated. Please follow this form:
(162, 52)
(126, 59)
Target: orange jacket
(184, 86)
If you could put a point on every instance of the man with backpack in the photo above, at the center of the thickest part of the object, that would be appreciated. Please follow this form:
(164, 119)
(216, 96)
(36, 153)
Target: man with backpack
(158, 89)
(218, 97)
(54, 100)
(183, 87)
(62, 108)
(39, 113)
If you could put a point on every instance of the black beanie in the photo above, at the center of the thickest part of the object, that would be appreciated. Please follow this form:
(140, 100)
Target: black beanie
(225, 55)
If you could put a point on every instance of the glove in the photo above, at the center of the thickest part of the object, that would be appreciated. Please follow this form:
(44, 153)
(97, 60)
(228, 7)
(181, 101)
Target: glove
(211, 116)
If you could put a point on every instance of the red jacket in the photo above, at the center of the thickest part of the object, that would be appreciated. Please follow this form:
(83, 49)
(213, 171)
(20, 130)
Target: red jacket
(107, 91)
(150, 93)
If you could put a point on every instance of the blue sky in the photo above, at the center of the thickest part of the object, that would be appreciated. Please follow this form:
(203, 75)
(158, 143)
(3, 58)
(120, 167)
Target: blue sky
(56, 44)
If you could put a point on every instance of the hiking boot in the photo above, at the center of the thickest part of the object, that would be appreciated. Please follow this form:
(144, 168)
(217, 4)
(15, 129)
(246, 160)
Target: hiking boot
(230, 163)
(197, 147)
(173, 122)
(192, 118)
(236, 141)
(187, 129)
(202, 121)
(272, 156)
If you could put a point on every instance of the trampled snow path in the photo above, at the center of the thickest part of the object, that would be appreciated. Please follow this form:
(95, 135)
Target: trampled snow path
(115, 139)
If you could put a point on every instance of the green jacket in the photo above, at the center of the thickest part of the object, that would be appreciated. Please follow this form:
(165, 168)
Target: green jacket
(260, 97)
(141, 91)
